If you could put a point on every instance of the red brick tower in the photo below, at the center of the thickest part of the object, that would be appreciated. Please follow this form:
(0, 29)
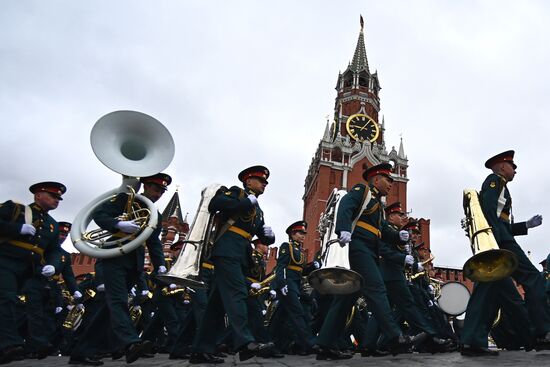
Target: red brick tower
(354, 140)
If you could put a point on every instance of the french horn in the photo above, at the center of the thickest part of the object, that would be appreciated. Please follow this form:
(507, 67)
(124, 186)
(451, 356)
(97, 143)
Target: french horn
(135, 145)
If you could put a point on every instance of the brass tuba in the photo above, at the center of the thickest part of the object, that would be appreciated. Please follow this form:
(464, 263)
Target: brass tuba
(134, 145)
(489, 263)
(335, 276)
(185, 271)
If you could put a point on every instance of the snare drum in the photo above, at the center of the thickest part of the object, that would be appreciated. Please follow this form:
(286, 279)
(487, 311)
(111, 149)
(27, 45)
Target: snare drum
(454, 298)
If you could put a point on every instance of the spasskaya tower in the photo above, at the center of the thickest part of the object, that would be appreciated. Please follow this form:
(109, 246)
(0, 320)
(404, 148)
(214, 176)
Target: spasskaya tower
(351, 142)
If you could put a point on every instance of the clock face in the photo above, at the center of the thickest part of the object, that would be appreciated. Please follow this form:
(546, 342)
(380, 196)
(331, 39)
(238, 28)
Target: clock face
(362, 127)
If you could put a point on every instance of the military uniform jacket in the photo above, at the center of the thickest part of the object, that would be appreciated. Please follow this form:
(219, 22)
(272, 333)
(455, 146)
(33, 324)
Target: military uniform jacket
(392, 265)
(373, 216)
(249, 219)
(12, 218)
(105, 217)
(291, 261)
(256, 269)
(496, 204)
(63, 266)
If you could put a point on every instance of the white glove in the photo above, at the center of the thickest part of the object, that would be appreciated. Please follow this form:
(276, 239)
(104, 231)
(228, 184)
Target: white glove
(407, 248)
(144, 292)
(70, 307)
(172, 286)
(100, 288)
(420, 267)
(27, 229)
(272, 294)
(404, 236)
(186, 302)
(58, 309)
(430, 303)
(127, 226)
(80, 306)
(345, 237)
(535, 221)
(431, 288)
(77, 294)
(162, 269)
(316, 264)
(264, 312)
(48, 270)
(268, 232)
(253, 199)
(409, 260)
(256, 286)
(284, 290)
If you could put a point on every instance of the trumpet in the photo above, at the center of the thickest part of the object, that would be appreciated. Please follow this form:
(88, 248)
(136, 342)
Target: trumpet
(264, 286)
(166, 291)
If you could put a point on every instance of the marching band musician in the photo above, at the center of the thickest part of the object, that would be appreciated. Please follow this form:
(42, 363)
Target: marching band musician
(255, 275)
(487, 297)
(64, 269)
(366, 241)
(121, 273)
(291, 263)
(392, 267)
(28, 245)
(243, 218)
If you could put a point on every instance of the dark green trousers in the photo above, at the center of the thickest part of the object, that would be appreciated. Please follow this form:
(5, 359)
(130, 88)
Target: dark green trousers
(483, 307)
(228, 295)
(363, 260)
(533, 284)
(290, 310)
(13, 275)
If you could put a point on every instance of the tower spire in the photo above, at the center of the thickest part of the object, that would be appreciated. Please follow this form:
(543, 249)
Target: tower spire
(360, 62)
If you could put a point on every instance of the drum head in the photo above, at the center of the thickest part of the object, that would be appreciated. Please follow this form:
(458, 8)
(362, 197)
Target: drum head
(454, 298)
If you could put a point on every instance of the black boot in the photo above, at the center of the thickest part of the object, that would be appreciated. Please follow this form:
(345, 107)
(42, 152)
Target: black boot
(329, 354)
(136, 350)
(253, 349)
(473, 351)
(204, 358)
(401, 344)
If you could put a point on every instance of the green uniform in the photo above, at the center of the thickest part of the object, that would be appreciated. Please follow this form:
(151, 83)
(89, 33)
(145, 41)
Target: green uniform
(18, 264)
(496, 203)
(119, 275)
(368, 241)
(483, 305)
(291, 262)
(255, 274)
(230, 257)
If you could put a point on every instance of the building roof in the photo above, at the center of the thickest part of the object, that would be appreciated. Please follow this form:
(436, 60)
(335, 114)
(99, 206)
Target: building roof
(173, 208)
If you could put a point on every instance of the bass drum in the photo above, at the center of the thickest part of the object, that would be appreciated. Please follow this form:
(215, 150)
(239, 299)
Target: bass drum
(454, 298)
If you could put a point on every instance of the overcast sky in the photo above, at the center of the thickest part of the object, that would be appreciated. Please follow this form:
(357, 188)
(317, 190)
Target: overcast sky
(240, 83)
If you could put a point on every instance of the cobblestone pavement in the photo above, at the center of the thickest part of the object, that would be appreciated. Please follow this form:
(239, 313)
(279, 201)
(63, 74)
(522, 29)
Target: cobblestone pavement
(506, 358)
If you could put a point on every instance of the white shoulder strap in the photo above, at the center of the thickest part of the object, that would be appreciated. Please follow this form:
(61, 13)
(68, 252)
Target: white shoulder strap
(363, 207)
(28, 212)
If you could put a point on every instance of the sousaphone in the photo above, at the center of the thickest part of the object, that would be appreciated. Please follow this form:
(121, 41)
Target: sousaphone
(135, 145)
